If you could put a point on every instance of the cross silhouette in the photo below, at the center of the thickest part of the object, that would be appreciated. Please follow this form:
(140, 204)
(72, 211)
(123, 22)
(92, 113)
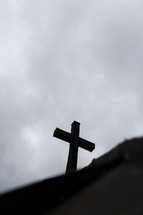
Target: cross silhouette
(75, 142)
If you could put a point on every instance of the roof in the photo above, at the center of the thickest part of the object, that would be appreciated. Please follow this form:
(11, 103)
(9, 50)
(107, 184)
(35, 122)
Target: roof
(111, 183)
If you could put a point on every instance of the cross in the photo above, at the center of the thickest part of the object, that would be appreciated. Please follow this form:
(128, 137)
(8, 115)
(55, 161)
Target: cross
(75, 142)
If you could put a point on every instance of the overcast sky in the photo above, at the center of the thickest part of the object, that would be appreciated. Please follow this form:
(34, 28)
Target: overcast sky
(62, 61)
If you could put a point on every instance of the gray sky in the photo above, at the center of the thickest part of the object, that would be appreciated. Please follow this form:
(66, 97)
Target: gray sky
(62, 61)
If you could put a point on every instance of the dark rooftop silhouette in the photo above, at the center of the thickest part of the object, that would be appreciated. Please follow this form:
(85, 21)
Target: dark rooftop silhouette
(111, 184)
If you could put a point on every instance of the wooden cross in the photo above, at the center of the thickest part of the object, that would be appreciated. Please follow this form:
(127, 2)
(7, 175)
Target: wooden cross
(75, 142)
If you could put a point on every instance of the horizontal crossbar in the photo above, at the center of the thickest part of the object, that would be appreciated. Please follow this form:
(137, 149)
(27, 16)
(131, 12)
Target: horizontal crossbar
(68, 137)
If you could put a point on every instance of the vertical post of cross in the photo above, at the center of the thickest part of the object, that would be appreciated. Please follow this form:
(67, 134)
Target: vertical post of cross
(75, 141)
(73, 152)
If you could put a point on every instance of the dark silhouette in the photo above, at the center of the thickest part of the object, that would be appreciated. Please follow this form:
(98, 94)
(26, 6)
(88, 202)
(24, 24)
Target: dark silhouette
(75, 142)
(113, 182)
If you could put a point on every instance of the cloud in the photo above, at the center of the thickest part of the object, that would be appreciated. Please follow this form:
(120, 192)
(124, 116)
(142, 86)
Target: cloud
(63, 61)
